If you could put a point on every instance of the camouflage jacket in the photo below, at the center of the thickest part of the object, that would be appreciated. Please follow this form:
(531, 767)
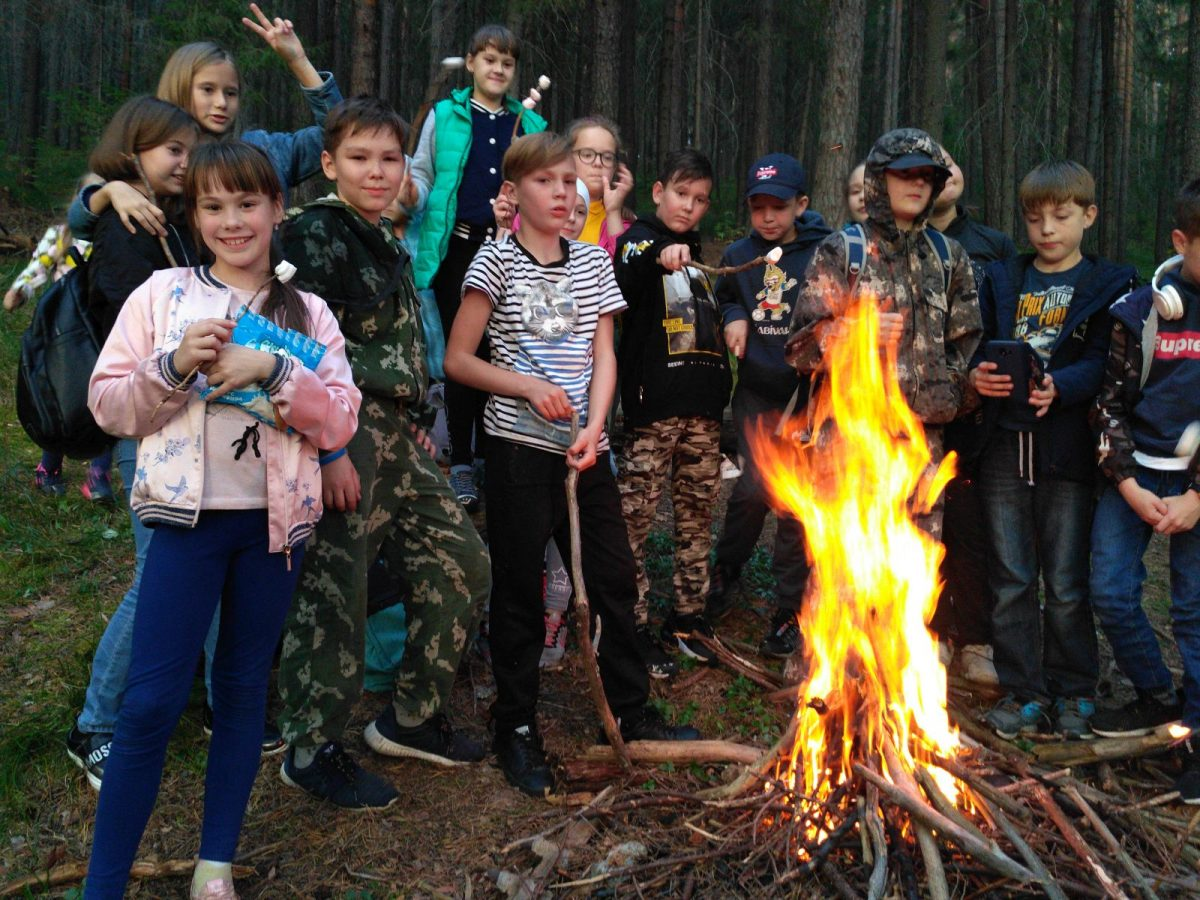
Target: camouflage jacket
(349, 262)
(941, 324)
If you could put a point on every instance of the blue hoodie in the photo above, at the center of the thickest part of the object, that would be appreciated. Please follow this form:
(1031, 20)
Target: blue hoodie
(765, 297)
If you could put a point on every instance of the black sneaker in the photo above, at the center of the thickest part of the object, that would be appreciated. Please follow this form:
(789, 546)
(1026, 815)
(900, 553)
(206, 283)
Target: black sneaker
(722, 590)
(434, 740)
(272, 739)
(783, 637)
(658, 664)
(335, 777)
(1188, 783)
(647, 724)
(89, 751)
(1139, 716)
(678, 629)
(523, 761)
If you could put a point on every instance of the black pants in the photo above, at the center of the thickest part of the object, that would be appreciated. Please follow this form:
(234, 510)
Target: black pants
(748, 508)
(526, 506)
(464, 405)
(964, 612)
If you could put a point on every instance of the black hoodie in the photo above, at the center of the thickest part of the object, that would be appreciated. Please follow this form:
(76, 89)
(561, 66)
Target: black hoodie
(765, 297)
(672, 358)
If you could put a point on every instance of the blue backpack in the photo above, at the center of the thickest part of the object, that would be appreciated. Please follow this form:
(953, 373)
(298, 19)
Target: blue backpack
(855, 237)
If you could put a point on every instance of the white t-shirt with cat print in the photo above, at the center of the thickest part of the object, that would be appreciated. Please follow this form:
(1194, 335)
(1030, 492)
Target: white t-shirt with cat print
(543, 323)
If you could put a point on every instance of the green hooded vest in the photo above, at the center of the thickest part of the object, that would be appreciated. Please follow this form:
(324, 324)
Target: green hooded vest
(452, 143)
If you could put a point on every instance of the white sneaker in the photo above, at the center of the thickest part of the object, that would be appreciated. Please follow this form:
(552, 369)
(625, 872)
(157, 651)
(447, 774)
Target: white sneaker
(975, 664)
(730, 469)
(217, 889)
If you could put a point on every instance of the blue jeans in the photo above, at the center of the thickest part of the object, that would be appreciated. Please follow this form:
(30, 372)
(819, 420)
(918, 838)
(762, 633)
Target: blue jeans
(110, 665)
(223, 561)
(1119, 540)
(1049, 649)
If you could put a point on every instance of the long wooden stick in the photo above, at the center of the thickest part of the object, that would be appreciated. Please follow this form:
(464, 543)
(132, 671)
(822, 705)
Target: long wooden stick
(71, 872)
(770, 256)
(679, 751)
(1106, 882)
(583, 617)
(1138, 876)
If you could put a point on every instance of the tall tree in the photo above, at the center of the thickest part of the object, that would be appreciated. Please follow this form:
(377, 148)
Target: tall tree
(839, 107)
(931, 33)
(670, 114)
(764, 75)
(1191, 141)
(1083, 50)
(364, 62)
(606, 68)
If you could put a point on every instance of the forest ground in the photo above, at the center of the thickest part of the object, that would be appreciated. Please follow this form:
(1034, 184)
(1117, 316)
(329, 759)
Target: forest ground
(64, 565)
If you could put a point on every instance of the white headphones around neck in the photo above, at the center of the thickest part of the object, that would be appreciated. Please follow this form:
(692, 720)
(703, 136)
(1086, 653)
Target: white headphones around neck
(1166, 298)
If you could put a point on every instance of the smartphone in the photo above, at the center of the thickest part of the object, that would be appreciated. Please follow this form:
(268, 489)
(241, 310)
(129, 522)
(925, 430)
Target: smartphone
(1017, 360)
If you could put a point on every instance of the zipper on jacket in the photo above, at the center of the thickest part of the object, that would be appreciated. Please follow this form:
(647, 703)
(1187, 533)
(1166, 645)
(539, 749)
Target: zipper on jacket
(287, 555)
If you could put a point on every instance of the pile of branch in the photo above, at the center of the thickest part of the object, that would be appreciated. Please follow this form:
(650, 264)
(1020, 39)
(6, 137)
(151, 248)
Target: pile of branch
(1022, 828)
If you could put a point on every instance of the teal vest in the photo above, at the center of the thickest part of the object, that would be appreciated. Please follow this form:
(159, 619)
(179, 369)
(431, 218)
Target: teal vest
(452, 143)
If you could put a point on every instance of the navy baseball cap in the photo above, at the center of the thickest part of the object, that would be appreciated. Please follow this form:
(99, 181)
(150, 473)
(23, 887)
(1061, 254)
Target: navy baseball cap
(777, 175)
(916, 161)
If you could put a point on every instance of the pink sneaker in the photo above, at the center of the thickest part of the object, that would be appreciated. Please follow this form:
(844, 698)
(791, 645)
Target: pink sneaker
(556, 640)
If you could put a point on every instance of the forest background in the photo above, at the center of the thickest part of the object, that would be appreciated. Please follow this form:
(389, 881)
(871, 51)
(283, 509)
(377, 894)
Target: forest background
(1004, 84)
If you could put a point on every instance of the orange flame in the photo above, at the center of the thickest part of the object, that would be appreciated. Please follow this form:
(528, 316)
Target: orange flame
(855, 480)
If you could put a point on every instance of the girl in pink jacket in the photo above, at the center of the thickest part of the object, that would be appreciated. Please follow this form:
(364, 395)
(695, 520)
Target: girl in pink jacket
(232, 498)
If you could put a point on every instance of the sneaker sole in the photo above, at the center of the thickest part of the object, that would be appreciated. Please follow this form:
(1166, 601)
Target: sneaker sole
(283, 775)
(659, 673)
(386, 747)
(1129, 732)
(706, 657)
(774, 654)
(91, 779)
(272, 749)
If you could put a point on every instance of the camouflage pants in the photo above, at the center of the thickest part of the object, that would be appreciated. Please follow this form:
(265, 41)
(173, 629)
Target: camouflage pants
(685, 449)
(409, 515)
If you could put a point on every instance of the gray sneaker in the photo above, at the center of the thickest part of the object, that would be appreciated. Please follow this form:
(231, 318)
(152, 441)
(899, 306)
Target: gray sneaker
(1010, 717)
(1073, 718)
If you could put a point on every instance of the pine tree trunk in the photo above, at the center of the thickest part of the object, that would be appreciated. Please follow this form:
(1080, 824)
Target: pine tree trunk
(989, 81)
(1008, 135)
(1083, 48)
(628, 78)
(607, 57)
(364, 62)
(1191, 141)
(31, 86)
(669, 112)
(764, 76)
(838, 107)
(934, 40)
(891, 80)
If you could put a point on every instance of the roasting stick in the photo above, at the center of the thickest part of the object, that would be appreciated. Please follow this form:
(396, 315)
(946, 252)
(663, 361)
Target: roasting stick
(772, 256)
(583, 616)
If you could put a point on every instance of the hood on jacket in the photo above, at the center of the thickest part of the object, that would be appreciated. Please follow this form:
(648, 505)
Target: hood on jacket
(890, 147)
(811, 228)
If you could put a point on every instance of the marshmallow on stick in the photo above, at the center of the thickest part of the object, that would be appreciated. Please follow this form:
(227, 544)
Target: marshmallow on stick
(534, 98)
(772, 256)
(448, 66)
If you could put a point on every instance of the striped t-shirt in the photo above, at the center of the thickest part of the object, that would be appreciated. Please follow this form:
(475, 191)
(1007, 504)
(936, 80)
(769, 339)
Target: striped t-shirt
(543, 323)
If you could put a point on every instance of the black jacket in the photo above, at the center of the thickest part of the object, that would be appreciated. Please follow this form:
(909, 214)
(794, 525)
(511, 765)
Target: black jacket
(983, 244)
(672, 359)
(1063, 442)
(765, 297)
(121, 261)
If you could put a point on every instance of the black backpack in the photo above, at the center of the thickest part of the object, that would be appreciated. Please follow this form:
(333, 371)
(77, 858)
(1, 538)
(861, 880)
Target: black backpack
(58, 353)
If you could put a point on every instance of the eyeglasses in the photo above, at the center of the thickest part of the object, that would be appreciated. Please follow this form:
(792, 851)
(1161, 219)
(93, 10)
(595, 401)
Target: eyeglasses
(588, 156)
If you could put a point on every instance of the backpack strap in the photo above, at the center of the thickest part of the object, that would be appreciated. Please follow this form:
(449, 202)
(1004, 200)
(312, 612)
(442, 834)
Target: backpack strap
(1149, 334)
(856, 251)
(937, 241)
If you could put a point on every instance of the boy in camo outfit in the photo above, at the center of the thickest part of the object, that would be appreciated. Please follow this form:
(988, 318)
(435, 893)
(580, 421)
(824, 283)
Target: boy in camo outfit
(384, 494)
(675, 382)
(932, 310)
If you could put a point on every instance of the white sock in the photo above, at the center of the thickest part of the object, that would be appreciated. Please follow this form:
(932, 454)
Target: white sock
(207, 870)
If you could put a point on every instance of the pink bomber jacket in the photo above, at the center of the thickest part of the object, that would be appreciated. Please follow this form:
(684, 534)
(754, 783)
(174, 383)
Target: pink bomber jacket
(130, 396)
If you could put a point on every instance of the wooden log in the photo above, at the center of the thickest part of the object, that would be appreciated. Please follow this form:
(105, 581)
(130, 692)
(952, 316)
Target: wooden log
(756, 772)
(919, 810)
(935, 872)
(678, 752)
(1077, 753)
(72, 872)
(762, 677)
(1049, 885)
(583, 617)
(877, 884)
(1077, 843)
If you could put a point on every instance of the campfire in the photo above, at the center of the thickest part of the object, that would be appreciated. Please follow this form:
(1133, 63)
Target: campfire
(871, 790)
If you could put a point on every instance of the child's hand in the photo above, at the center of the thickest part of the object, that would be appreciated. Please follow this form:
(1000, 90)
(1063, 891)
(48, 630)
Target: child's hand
(989, 384)
(736, 333)
(421, 436)
(134, 206)
(237, 367)
(1148, 505)
(1042, 397)
(548, 399)
(675, 257)
(1183, 512)
(408, 191)
(504, 209)
(614, 195)
(279, 35)
(891, 327)
(581, 455)
(340, 487)
(201, 343)
(12, 299)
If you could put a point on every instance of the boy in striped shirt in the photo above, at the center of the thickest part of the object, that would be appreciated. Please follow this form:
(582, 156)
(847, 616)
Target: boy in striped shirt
(546, 306)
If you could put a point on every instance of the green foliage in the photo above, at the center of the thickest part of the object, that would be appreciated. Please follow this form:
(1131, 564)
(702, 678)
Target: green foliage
(744, 709)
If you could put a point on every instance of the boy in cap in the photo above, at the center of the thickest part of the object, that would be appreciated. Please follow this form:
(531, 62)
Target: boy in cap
(756, 308)
(674, 384)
